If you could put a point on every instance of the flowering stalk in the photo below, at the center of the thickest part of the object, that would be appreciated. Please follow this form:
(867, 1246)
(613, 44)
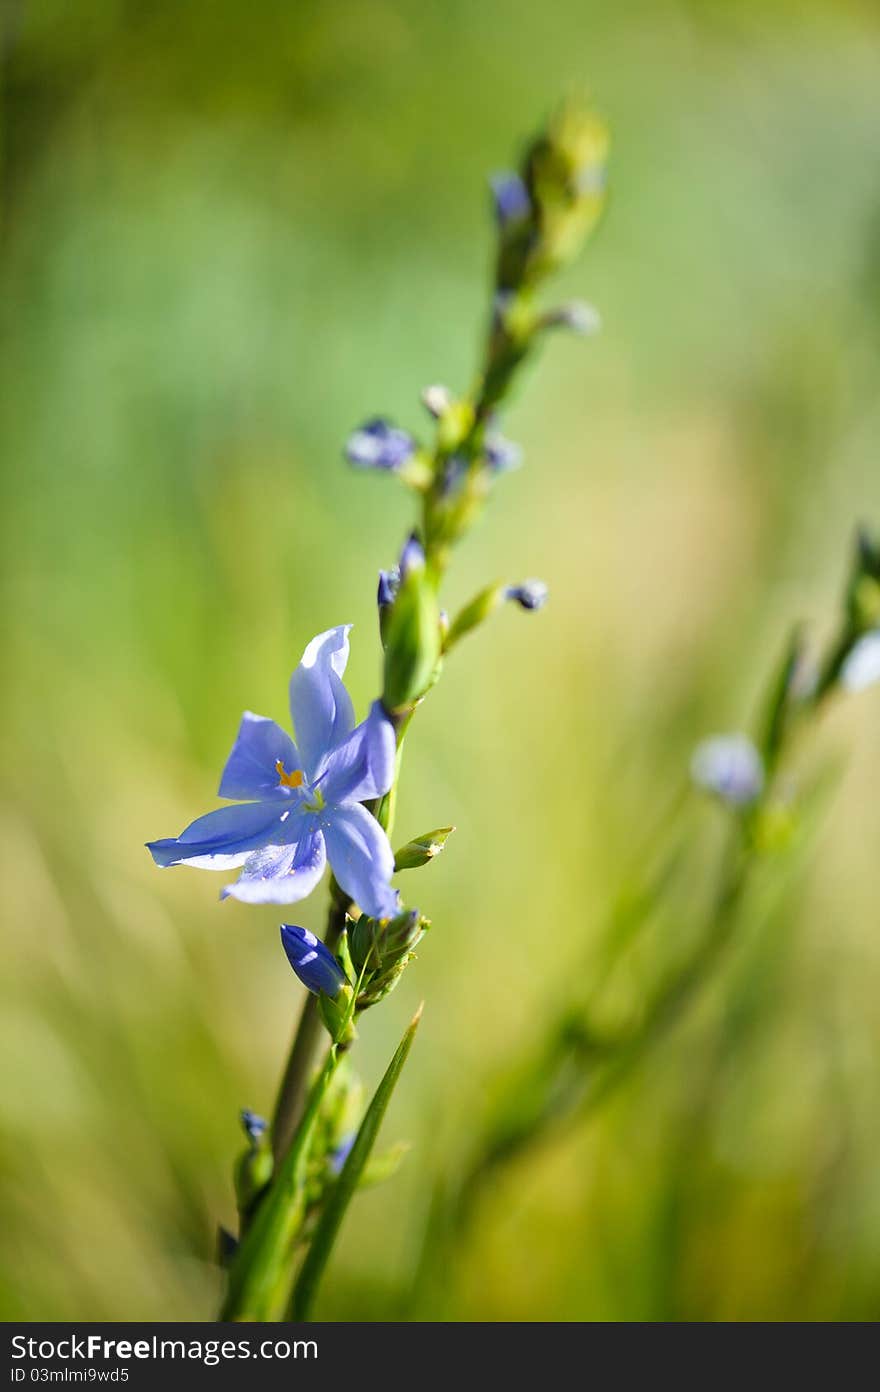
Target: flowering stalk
(328, 796)
(575, 1066)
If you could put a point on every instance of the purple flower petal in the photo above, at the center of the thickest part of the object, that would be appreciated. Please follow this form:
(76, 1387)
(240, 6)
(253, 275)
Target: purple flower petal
(280, 874)
(223, 839)
(251, 769)
(319, 703)
(361, 858)
(363, 765)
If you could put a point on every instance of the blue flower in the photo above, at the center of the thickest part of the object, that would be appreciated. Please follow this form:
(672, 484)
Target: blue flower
(305, 807)
(313, 963)
(862, 666)
(379, 445)
(255, 1126)
(502, 454)
(530, 594)
(339, 1154)
(511, 198)
(730, 767)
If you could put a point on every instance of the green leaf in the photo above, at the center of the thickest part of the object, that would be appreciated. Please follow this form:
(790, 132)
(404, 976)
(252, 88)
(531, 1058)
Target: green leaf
(341, 1194)
(422, 849)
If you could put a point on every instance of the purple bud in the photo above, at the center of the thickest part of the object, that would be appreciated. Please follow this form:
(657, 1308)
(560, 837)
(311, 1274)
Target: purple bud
(389, 582)
(511, 198)
(379, 445)
(313, 963)
(412, 557)
(254, 1126)
(530, 594)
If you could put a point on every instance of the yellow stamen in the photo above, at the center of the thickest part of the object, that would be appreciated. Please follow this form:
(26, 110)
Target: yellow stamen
(289, 780)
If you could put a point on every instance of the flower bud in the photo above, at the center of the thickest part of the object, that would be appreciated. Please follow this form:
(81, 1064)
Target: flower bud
(255, 1127)
(437, 400)
(253, 1169)
(313, 962)
(412, 557)
(381, 950)
(565, 174)
(529, 594)
(389, 581)
(412, 632)
(577, 315)
(422, 849)
(474, 613)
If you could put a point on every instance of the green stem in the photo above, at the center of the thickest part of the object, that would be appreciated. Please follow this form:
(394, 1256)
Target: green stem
(261, 1276)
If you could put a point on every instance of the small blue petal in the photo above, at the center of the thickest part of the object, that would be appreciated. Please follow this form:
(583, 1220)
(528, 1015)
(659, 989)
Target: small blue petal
(314, 964)
(530, 594)
(379, 445)
(511, 198)
(319, 703)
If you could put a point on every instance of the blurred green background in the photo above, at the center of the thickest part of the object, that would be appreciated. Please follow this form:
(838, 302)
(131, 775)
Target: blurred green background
(229, 234)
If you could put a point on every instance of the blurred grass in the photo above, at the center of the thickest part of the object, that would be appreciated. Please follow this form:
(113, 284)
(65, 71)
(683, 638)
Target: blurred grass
(227, 237)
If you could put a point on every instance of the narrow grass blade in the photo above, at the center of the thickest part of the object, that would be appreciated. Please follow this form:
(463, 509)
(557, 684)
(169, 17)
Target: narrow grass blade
(340, 1196)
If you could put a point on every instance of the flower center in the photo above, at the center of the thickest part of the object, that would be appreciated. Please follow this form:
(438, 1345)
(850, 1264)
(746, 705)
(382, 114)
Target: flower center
(289, 780)
(296, 779)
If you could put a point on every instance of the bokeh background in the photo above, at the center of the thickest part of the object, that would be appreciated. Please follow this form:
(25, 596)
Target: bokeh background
(229, 234)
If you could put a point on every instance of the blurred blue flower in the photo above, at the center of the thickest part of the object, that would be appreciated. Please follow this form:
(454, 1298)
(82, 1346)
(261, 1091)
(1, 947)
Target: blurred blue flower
(529, 594)
(730, 767)
(313, 963)
(379, 445)
(254, 1126)
(511, 198)
(862, 666)
(338, 1156)
(306, 797)
(502, 454)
